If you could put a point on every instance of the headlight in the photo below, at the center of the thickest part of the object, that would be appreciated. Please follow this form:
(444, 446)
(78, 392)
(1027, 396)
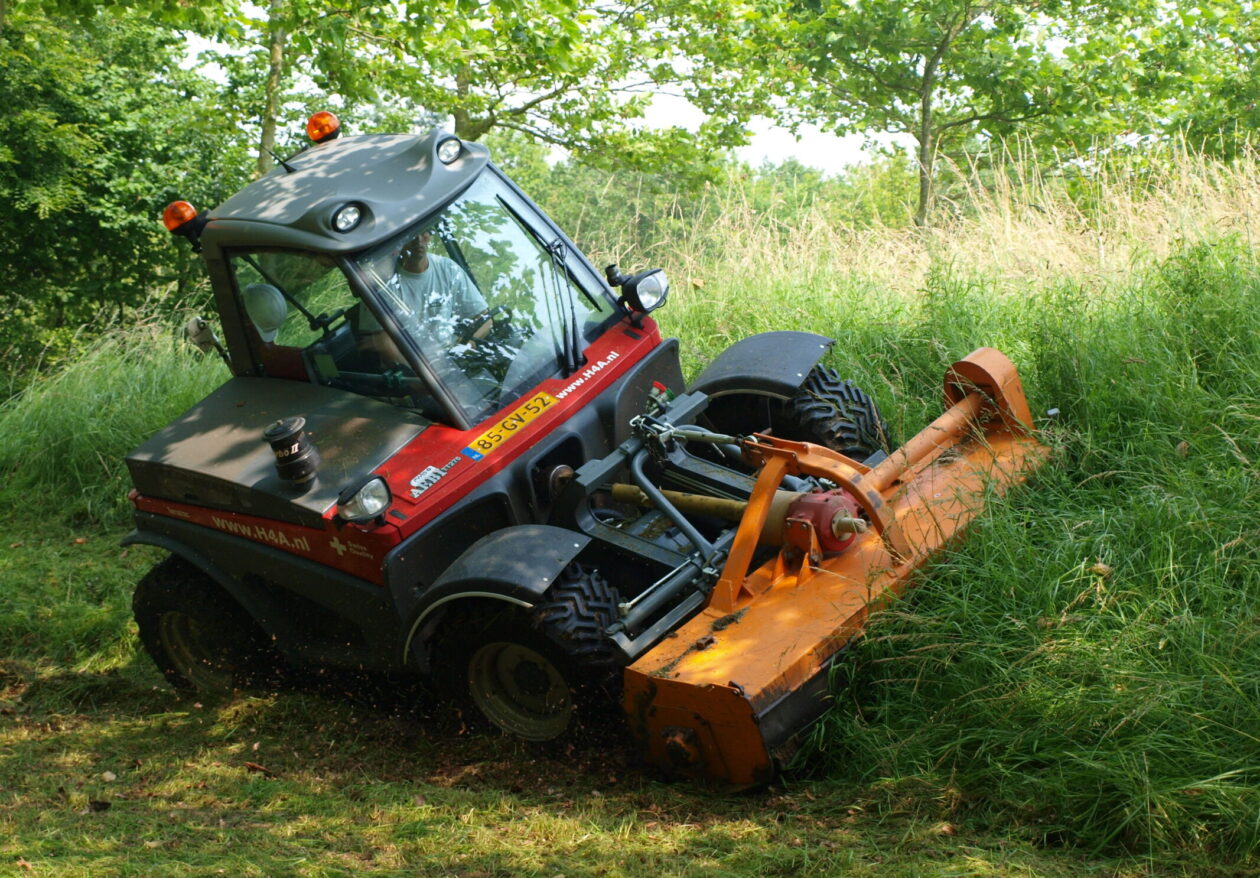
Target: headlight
(646, 291)
(651, 290)
(448, 150)
(360, 504)
(347, 217)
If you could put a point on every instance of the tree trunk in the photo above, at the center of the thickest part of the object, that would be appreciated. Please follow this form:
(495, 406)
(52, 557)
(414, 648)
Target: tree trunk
(468, 126)
(275, 76)
(925, 183)
(926, 133)
(927, 148)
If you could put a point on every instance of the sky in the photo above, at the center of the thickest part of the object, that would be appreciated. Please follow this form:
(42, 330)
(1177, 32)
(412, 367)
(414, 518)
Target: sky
(813, 147)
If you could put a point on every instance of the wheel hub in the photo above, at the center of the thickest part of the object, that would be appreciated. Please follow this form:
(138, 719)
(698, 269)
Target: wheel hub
(184, 641)
(520, 690)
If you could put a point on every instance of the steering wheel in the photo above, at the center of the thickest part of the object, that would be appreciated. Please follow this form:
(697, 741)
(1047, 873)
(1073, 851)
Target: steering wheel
(478, 327)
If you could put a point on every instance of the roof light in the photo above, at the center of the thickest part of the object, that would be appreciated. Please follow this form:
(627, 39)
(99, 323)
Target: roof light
(347, 217)
(448, 150)
(176, 214)
(323, 126)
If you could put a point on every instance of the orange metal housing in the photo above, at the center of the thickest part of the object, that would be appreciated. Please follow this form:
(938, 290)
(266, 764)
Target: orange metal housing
(740, 679)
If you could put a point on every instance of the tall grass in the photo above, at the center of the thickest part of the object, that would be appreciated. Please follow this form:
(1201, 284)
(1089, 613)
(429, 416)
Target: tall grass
(1009, 221)
(1087, 663)
(63, 438)
(1085, 667)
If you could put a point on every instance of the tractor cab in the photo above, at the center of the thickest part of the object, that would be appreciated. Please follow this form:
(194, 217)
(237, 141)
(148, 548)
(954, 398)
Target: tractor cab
(438, 286)
(456, 315)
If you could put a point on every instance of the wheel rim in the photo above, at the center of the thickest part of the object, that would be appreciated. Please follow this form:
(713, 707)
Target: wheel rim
(520, 691)
(183, 639)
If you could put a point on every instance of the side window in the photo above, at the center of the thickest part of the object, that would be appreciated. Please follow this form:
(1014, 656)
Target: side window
(314, 284)
(308, 325)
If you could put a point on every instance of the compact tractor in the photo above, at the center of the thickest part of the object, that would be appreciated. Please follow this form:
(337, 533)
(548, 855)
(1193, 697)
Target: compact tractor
(449, 446)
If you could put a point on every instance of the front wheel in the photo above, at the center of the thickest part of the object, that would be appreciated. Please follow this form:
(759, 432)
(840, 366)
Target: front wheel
(518, 683)
(541, 674)
(830, 411)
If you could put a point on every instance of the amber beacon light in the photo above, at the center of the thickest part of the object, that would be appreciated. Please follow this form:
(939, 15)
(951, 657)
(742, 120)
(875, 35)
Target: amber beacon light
(176, 214)
(323, 126)
(181, 218)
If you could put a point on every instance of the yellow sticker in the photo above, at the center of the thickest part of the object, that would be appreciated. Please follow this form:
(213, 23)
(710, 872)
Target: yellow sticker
(509, 425)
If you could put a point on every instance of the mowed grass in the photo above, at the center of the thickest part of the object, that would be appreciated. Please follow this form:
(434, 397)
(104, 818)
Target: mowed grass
(1073, 689)
(106, 771)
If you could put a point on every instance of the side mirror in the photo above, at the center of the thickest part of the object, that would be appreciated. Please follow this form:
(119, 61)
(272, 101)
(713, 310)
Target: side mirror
(641, 293)
(199, 334)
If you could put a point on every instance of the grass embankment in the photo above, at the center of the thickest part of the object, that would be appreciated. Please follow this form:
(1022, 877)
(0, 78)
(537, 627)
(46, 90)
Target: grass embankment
(1082, 674)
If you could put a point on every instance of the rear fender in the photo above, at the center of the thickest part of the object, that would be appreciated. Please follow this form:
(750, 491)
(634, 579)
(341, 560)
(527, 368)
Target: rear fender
(176, 547)
(768, 364)
(514, 566)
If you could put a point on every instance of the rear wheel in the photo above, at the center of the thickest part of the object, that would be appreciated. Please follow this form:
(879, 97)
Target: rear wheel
(200, 639)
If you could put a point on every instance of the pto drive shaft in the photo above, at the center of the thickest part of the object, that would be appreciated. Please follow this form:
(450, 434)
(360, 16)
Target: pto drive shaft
(842, 522)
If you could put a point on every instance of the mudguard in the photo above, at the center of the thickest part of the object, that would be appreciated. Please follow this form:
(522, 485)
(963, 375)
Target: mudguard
(515, 565)
(768, 364)
(290, 598)
(177, 547)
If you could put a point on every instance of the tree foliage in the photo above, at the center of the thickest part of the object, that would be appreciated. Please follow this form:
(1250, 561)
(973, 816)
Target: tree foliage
(569, 73)
(1219, 64)
(948, 73)
(101, 130)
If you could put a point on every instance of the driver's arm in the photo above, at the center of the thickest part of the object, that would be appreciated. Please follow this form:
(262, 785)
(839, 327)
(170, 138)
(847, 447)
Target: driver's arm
(468, 299)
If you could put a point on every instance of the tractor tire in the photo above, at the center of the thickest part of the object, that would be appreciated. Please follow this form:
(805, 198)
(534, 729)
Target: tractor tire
(202, 641)
(579, 606)
(832, 412)
(543, 675)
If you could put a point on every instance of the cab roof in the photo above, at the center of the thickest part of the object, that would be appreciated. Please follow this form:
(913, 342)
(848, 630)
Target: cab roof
(394, 179)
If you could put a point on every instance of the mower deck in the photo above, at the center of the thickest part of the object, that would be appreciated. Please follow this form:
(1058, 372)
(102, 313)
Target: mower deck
(742, 677)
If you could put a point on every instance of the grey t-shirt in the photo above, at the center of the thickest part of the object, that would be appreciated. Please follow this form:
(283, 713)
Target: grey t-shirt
(430, 302)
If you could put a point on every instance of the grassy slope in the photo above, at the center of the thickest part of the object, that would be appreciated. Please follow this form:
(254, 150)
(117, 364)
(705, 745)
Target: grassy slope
(1082, 671)
(370, 785)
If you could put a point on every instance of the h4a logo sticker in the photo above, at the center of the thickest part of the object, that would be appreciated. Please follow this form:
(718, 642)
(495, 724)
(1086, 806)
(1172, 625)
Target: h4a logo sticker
(430, 476)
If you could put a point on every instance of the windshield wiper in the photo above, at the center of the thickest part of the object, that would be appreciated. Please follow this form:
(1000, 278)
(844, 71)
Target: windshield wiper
(572, 343)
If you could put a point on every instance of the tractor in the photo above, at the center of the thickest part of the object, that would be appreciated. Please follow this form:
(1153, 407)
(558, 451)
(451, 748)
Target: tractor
(450, 447)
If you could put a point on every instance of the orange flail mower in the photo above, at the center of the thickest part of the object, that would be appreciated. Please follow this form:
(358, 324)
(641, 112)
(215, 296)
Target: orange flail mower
(751, 670)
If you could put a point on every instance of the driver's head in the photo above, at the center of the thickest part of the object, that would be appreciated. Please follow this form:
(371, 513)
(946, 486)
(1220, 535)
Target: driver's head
(415, 253)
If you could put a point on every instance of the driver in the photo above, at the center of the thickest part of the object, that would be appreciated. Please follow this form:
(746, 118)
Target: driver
(436, 289)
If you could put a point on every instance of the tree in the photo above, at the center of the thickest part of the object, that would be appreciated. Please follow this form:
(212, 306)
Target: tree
(101, 130)
(945, 72)
(1218, 109)
(569, 73)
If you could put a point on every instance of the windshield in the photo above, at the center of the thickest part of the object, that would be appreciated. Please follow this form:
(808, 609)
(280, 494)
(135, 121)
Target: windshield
(490, 307)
